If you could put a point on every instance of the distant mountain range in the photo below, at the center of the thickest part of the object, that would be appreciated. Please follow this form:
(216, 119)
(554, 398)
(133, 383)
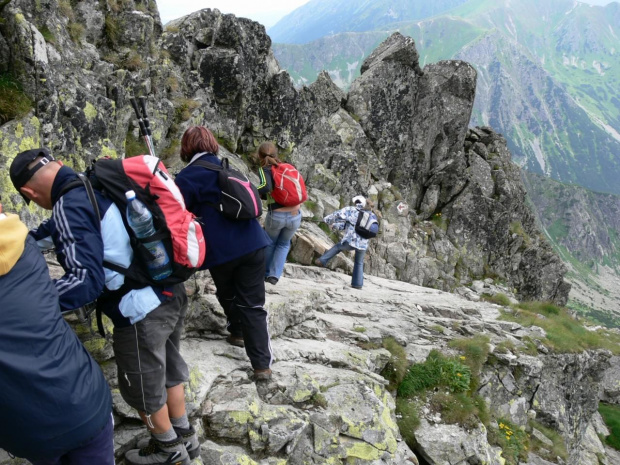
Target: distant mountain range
(548, 71)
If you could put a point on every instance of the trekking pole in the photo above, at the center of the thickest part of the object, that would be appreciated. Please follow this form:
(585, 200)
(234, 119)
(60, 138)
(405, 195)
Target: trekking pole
(145, 117)
(144, 126)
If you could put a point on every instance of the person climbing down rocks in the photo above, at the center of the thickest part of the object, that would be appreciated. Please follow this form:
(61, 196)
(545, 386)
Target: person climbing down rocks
(151, 370)
(346, 219)
(235, 249)
(284, 188)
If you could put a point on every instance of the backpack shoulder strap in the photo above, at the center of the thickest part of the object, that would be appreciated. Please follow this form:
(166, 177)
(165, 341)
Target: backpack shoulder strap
(83, 181)
(209, 166)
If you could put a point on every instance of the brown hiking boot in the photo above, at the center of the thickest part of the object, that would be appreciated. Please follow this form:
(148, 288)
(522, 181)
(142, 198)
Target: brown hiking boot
(262, 375)
(318, 262)
(235, 341)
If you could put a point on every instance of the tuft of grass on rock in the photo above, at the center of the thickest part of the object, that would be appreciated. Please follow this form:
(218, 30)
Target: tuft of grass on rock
(543, 450)
(565, 334)
(396, 367)
(511, 439)
(134, 146)
(13, 102)
(408, 419)
(436, 371)
(611, 415)
(459, 408)
(475, 351)
(76, 31)
(499, 299)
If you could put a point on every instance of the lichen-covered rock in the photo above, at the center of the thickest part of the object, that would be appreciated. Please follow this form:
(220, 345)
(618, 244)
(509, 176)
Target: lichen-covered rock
(452, 445)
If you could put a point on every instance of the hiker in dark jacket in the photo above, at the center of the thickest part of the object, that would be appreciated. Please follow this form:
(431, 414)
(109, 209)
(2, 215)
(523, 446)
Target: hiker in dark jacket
(235, 251)
(281, 222)
(147, 321)
(56, 404)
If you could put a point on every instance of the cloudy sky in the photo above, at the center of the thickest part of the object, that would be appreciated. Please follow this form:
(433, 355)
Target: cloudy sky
(267, 12)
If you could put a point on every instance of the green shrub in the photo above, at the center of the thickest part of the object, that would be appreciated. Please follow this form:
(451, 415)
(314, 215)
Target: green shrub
(611, 415)
(396, 367)
(512, 440)
(359, 329)
(436, 371)
(13, 102)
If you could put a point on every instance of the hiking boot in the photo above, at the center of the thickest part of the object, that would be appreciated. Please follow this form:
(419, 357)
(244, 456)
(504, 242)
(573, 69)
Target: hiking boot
(190, 439)
(262, 375)
(159, 452)
(235, 340)
(356, 287)
(271, 280)
(318, 262)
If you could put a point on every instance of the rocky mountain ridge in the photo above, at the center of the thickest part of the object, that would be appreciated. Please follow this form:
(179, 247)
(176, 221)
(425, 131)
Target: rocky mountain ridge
(453, 210)
(406, 146)
(546, 76)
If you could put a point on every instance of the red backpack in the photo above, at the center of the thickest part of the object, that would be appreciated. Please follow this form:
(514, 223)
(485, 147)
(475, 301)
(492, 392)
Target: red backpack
(177, 227)
(289, 188)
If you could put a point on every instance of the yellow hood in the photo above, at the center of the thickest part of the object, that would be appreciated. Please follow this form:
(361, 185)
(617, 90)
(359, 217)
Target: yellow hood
(12, 238)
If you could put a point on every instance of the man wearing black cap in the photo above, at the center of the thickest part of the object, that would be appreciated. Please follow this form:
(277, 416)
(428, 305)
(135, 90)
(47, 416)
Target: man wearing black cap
(151, 370)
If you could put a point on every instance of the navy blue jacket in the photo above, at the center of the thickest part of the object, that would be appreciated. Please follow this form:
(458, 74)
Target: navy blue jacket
(226, 239)
(53, 396)
(75, 232)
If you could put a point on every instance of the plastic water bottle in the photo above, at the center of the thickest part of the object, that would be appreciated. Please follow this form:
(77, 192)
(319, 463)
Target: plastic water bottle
(141, 221)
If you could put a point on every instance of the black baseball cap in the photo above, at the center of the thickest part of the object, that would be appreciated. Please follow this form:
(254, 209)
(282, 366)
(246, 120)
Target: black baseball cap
(19, 172)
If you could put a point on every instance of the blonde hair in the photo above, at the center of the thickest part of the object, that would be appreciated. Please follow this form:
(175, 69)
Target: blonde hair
(268, 154)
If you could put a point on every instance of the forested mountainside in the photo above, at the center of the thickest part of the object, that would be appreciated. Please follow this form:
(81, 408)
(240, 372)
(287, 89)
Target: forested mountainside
(547, 76)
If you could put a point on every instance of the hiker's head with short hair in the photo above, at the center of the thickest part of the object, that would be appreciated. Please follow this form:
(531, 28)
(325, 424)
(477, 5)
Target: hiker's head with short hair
(197, 139)
(268, 154)
(32, 174)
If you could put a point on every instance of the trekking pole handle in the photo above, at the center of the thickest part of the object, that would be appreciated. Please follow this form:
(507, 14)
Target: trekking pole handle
(142, 128)
(142, 101)
(134, 104)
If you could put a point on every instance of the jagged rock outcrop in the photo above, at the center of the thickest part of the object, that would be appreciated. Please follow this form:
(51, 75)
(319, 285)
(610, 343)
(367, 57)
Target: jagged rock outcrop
(404, 145)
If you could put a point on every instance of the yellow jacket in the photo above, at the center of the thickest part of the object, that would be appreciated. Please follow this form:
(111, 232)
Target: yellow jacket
(12, 238)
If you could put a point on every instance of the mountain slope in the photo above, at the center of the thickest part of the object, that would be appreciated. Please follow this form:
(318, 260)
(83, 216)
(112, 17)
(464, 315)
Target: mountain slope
(584, 227)
(319, 18)
(547, 74)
